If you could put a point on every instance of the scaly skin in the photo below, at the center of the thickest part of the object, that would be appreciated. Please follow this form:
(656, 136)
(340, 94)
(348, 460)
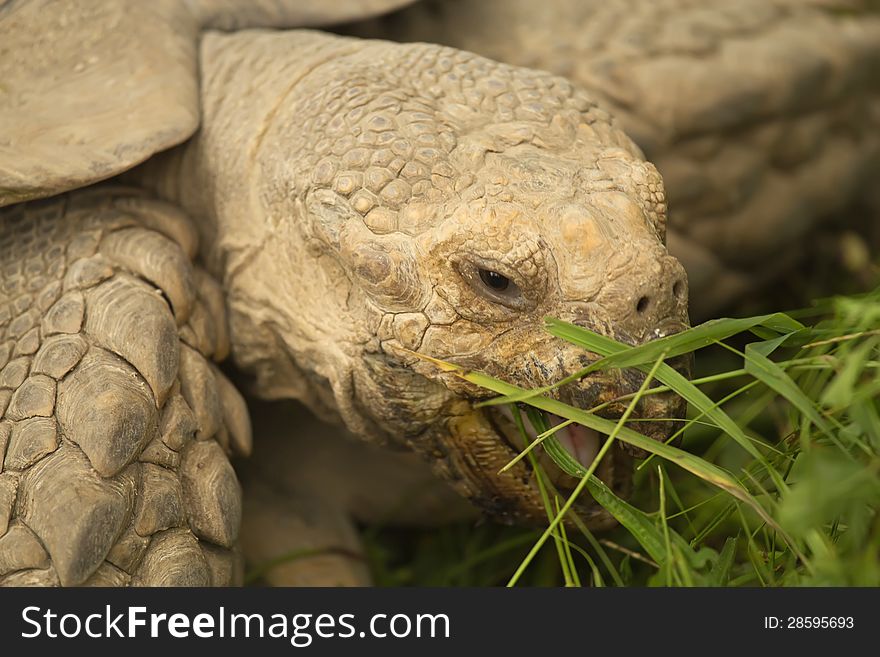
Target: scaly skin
(114, 426)
(349, 196)
(761, 115)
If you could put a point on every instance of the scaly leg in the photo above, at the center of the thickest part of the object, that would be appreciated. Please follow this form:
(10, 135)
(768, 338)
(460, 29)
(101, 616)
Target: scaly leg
(306, 484)
(115, 426)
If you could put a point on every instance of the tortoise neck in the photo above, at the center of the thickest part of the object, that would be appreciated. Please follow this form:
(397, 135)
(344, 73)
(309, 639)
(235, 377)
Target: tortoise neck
(218, 176)
(286, 310)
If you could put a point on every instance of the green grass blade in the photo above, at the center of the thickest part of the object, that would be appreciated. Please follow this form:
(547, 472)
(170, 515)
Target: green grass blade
(597, 547)
(571, 566)
(636, 521)
(695, 465)
(775, 378)
(674, 379)
(565, 562)
(720, 573)
(588, 474)
(616, 354)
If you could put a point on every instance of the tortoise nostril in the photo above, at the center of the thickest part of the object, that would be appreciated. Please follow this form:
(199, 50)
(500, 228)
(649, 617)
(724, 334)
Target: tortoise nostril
(642, 304)
(678, 289)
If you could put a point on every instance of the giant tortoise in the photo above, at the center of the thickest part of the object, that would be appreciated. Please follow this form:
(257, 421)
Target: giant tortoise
(327, 210)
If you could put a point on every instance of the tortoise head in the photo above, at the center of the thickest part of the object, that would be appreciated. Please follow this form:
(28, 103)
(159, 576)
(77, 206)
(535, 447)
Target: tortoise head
(446, 217)
(473, 289)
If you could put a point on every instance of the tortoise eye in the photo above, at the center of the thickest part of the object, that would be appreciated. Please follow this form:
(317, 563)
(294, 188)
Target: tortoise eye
(492, 284)
(494, 281)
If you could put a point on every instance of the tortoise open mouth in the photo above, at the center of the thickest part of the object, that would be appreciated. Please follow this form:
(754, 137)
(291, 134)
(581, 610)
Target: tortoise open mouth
(475, 444)
(524, 502)
(615, 468)
(581, 442)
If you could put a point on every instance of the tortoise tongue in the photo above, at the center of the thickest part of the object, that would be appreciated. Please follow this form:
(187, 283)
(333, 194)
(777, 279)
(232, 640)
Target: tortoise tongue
(579, 441)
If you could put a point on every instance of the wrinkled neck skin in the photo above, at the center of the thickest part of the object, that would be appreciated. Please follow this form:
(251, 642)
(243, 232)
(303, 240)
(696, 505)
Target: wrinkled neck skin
(286, 300)
(352, 197)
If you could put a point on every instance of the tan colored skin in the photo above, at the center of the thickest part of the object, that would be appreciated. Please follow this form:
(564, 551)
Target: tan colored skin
(347, 193)
(760, 114)
(115, 425)
(369, 213)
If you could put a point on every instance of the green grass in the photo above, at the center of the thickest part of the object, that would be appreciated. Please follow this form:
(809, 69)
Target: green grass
(773, 481)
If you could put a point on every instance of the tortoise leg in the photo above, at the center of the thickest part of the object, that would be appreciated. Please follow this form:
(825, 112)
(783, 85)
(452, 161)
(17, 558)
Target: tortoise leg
(297, 528)
(115, 426)
(304, 488)
(300, 540)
